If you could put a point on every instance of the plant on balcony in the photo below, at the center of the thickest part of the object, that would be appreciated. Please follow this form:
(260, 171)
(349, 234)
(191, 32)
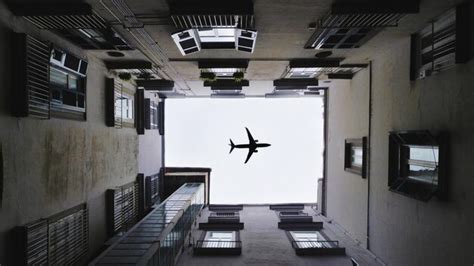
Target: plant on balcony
(238, 76)
(208, 76)
(125, 76)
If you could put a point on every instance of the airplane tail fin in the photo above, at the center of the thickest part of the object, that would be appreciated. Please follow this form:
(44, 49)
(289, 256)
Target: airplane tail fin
(232, 146)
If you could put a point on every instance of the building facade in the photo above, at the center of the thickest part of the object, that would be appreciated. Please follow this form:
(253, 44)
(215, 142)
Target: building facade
(83, 87)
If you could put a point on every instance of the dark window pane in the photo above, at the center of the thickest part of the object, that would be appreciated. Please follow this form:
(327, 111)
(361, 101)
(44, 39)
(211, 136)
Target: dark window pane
(81, 101)
(56, 95)
(69, 98)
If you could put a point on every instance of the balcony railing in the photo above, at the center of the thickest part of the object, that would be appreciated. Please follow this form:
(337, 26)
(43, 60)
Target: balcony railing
(314, 244)
(218, 244)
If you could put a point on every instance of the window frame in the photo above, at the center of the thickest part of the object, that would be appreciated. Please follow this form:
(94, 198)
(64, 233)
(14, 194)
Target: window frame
(114, 91)
(235, 249)
(331, 248)
(399, 180)
(348, 151)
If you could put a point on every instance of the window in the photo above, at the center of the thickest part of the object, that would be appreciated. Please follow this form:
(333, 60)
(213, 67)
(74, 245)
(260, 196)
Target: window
(355, 156)
(219, 242)
(124, 107)
(416, 164)
(220, 239)
(313, 243)
(67, 91)
(441, 44)
(151, 114)
(310, 239)
(120, 105)
(217, 35)
(122, 207)
(61, 239)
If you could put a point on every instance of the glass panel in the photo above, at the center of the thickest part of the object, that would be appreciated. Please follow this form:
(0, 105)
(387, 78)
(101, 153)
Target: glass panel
(73, 82)
(423, 164)
(217, 35)
(58, 78)
(219, 239)
(356, 156)
(69, 98)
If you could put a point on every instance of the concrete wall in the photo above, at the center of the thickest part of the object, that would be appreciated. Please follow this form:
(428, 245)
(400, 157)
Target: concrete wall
(347, 119)
(402, 230)
(150, 147)
(52, 165)
(264, 244)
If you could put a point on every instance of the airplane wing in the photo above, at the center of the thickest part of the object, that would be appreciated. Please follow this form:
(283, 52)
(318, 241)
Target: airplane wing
(251, 151)
(251, 140)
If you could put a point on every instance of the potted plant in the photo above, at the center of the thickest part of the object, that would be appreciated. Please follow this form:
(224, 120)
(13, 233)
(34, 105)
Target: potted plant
(208, 76)
(238, 76)
(125, 76)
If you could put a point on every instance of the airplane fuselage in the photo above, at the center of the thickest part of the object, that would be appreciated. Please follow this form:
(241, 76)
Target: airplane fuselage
(247, 146)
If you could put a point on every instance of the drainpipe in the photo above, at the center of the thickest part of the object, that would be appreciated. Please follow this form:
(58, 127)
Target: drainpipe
(369, 138)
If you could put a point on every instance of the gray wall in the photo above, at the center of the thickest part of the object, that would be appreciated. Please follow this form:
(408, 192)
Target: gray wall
(405, 231)
(52, 165)
(264, 244)
(347, 119)
(150, 147)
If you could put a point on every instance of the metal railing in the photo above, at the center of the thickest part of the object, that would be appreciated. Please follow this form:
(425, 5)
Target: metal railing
(315, 244)
(213, 21)
(218, 244)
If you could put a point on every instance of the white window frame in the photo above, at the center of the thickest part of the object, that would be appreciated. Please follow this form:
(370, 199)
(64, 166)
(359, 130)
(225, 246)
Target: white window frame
(219, 240)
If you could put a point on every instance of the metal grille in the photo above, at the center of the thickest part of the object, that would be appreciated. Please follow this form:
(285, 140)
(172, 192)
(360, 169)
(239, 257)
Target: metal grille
(92, 21)
(152, 189)
(315, 244)
(37, 242)
(37, 78)
(349, 30)
(125, 207)
(118, 95)
(218, 244)
(360, 20)
(213, 21)
(68, 238)
(224, 214)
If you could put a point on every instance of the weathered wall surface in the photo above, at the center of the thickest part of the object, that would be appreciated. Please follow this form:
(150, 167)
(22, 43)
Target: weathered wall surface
(150, 147)
(348, 116)
(52, 165)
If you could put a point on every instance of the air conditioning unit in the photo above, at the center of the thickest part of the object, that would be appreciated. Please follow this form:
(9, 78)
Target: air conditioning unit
(245, 40)
(68, 61)
(187, 41)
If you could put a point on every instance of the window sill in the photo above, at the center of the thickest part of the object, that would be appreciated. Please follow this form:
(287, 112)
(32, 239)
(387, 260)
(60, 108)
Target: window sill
(336, 251)
(71, 115)
(414, 189)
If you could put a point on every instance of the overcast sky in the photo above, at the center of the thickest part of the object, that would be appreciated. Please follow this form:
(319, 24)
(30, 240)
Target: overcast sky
(198, 132)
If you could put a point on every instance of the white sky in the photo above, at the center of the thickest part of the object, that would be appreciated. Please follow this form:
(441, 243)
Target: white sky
(198, 132)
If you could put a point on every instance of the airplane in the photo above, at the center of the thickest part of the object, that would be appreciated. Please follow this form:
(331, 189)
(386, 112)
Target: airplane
(252, 146)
